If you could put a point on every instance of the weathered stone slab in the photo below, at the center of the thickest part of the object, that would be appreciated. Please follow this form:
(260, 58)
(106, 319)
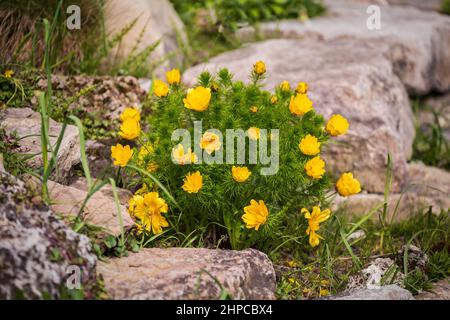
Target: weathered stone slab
(176, 273)
(390, 292)
(347, 77)
(27, 125)
(36, 249)
(433, 5)
(416, 41)
(100, 210)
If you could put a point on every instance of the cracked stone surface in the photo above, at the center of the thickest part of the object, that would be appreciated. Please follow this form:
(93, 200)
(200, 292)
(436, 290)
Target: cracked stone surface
(173, 273)
(100, 209)
(36, 249)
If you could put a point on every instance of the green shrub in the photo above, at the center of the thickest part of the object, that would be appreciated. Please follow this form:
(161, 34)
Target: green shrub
(231, 13)
(216, 203)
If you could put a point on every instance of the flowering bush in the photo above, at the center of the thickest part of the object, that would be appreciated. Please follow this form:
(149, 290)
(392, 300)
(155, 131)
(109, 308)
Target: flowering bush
(191, 175)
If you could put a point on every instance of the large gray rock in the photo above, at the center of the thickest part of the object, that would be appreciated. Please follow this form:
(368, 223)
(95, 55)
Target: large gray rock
(425, 187)
(27, 125)
(346, 77)
(433, 5)
(100, 209)
(416, 41)
(176, 273)
(390, 292)
(156, 20)
(37, 249)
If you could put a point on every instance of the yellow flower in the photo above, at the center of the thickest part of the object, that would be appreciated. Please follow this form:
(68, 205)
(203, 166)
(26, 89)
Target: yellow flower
(160, 88)
(325, 283)
(255, 214)
(347, 185)
(300, 104)
(337, 125)
(210, 142)
(324, 292)
(314, 220)
(292, 264)
(152, 167)
(173, 76)
(315, 168)
(254, 109)
(285, 86)
(193, 182)
(291, 280)
(148, 209)
(130, 113)
(273, 99)
(309, 145)
(197, 99)
(302, 88)
(145, 151)
(121, 154)
(130, 129)
(254, 133)
(181, 157)
(8, 73)
(240, 174)
(259, 67)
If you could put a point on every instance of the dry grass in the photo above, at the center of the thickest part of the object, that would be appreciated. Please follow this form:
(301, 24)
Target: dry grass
(22, 36)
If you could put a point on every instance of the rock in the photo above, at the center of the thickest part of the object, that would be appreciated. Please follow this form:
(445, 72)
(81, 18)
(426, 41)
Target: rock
(156, 20)
(176, 273)
(356, 235)
(381, 271)
(100, 210)
(415, 41)
(104, 97)
(124, 195)
(37, 251)
(439, 291)
(347, 77)
(145, 84)
(432, 5)
(27, 125)
(425, 187)
(390, 292)
(417, 259)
